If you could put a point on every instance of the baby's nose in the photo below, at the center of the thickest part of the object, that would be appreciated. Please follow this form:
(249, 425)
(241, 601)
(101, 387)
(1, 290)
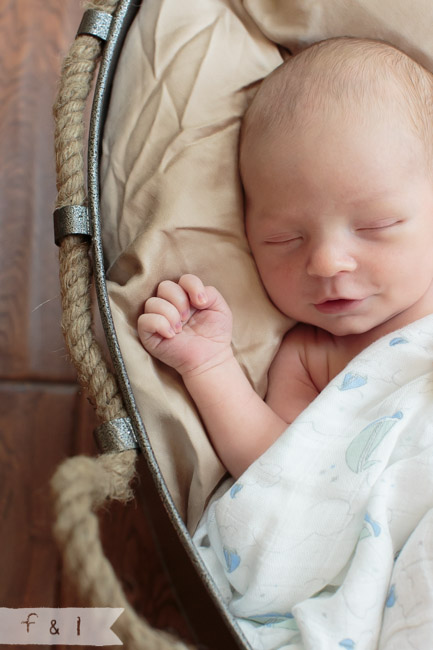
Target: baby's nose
(329, 258)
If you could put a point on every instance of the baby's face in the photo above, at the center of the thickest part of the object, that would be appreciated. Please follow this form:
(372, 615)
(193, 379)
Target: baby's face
(340, 222)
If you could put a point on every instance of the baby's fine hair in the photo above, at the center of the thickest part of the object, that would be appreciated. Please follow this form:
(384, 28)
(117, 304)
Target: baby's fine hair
(351, 72)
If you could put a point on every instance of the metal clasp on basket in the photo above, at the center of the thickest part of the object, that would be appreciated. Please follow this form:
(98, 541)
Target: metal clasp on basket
(71, 220)
(95, 23)
(116, 435)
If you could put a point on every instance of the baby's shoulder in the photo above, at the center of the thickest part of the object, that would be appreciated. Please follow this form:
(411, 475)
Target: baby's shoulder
(298, 372)
(306, 362)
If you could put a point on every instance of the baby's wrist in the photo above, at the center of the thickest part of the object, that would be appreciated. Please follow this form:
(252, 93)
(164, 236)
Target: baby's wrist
(209, 367)
(213, 385)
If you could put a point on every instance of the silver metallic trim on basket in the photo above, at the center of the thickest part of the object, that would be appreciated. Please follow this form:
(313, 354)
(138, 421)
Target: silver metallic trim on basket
(95, 23)
(71, 220)
(116, 435)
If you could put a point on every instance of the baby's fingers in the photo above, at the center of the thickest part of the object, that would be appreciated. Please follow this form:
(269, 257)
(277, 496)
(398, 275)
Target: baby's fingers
(166, 309)
(150, 324)
(172, 293)
(195, 289)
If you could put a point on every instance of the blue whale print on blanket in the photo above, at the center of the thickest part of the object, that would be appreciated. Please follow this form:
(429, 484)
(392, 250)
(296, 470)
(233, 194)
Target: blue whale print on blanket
(237, 487)
(232, 559)
(358, 453)
(391, 598)
(347, 643)
(398, 340)
(370, 525)
(353, 380)
(286, 621)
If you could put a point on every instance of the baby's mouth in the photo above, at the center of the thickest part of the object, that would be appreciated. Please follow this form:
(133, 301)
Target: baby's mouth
(338, 306)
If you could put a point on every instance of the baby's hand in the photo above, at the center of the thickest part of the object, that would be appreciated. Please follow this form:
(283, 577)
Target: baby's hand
(187, 326)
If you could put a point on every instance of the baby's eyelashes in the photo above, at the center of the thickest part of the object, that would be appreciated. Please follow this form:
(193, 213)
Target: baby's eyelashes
(283, 239)
(379, 225)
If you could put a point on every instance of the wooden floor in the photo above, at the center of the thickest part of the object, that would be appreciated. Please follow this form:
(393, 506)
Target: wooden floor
(43, 417)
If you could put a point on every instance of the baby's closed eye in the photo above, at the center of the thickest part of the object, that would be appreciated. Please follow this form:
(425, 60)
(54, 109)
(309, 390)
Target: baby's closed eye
(283, 238)
(377, 225)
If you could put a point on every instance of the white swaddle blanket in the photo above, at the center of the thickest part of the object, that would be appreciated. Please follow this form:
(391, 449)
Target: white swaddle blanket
(326, 541)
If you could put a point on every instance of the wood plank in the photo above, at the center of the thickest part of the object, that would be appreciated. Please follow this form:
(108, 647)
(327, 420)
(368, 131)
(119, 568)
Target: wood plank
(36, 426)
(34, 35)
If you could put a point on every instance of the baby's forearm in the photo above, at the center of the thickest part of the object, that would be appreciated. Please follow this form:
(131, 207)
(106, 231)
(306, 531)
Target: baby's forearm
(240, 424)
(188, 326)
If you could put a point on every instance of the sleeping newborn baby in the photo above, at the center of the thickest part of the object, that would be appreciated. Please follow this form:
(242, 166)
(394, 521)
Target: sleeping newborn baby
(325, 538)
(336, 165)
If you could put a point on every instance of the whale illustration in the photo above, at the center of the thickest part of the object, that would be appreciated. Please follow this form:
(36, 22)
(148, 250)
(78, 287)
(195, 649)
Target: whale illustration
(274, 619)
(237, 487)
(232, 559)
(373, 527)
(358, 453)
(391, 598)
(347, 643)
(398, 340)
(353, 380)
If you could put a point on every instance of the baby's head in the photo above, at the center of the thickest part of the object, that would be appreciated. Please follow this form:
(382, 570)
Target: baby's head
(336, 159)
(352, 76)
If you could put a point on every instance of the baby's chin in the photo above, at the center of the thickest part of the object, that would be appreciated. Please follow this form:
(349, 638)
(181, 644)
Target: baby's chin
(345, 331)
(342, 326)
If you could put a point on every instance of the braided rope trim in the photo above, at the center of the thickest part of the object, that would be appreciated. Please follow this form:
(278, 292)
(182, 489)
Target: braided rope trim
(81, 484)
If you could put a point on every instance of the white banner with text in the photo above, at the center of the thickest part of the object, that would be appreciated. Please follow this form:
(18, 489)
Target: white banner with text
(65, 625)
